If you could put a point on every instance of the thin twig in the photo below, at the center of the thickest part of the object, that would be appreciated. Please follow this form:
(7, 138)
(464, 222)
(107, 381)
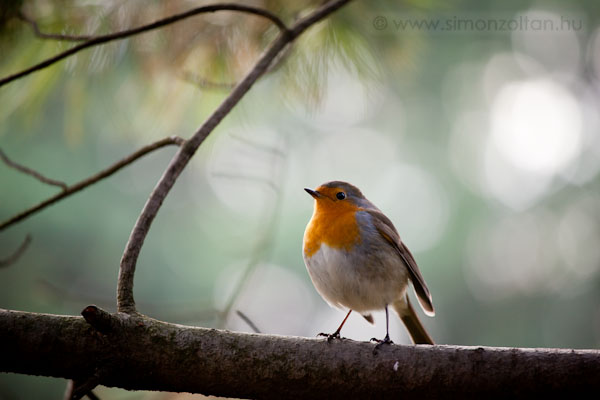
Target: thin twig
(93, 179)
(125, 299)
(92, 396)
(17, 254)
(75, 390)
(263, 244)
(248, 321)
(54, 36)
(320, 13)
(96, 40)
(70, 389)
(203, 83)
(31, 172)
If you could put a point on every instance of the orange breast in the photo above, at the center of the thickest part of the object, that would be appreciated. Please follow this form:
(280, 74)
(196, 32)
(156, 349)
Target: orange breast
(337, 228)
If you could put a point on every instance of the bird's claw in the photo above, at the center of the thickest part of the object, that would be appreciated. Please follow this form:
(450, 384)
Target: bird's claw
(386, 340)
(330, 336)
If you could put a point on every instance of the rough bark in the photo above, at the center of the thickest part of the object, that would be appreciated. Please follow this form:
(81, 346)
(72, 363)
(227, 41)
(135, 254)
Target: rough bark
(137, 352)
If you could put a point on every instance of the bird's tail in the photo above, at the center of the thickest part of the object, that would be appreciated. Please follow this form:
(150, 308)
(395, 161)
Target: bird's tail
(412, 322)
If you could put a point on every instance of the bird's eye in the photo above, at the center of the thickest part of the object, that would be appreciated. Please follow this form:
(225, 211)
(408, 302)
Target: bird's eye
(340, 195)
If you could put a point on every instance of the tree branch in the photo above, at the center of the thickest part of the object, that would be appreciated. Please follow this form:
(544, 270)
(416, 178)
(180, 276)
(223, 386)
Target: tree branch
(97, 40)
(248, 321)
(31, 172)
(53, 36)
(142, 353)
(269, 223)
(125, 300)
(93, 179)
(76, 390)
(17, 254)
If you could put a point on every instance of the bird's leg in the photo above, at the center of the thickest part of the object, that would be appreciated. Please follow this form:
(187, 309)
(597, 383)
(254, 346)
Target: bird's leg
(386, 339)
(336, 334)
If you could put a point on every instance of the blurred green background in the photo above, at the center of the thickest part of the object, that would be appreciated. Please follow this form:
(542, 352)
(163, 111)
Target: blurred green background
(472, 124)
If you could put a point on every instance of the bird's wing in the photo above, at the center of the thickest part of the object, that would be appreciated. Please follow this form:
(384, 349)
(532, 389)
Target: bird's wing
(387, 230)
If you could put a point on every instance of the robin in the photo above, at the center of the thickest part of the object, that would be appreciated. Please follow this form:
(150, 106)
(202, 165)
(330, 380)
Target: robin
(356, 260)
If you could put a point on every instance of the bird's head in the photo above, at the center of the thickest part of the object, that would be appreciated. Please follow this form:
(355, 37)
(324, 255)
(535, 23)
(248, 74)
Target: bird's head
(338, 196)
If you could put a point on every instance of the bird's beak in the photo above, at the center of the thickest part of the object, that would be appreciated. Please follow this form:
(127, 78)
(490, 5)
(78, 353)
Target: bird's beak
(313, 193)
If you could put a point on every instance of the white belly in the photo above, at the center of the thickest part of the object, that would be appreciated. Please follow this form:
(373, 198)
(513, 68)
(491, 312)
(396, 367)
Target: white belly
(365, 284)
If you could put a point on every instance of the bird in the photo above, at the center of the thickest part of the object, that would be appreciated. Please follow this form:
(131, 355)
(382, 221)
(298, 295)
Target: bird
(357, 261)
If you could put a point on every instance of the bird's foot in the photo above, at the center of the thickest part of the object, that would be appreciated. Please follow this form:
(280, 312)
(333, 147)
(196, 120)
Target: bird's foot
(386, 340)
(331, 336)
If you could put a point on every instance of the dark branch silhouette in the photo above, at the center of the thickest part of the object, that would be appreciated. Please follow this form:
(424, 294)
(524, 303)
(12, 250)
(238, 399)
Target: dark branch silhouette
(69, 190)
(31, 172)
(97, 40)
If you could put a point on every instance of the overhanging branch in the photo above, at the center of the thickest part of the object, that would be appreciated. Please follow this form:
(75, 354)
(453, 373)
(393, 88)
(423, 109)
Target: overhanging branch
(31, 172)
(125, 299)
(69, 190)
(98, 40)
(142, 353)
